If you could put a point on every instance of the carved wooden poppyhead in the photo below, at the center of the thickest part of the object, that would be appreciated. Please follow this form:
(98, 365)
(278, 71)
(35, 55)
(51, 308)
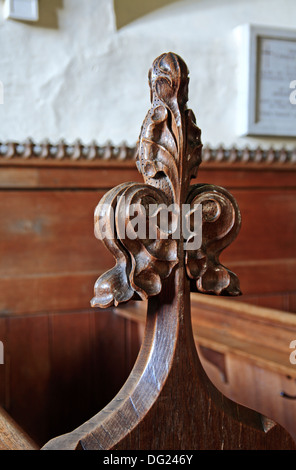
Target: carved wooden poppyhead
(153, 228)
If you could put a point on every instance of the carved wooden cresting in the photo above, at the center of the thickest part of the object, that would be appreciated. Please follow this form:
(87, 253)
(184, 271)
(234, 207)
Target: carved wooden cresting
(168, 401)
(168, 157)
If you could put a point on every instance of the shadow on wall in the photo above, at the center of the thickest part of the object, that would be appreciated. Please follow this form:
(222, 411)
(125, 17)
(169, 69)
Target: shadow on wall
(48, 14)
(127, 11)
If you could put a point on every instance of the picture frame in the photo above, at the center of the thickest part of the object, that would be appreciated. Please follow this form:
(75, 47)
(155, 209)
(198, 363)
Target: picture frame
(267, 81)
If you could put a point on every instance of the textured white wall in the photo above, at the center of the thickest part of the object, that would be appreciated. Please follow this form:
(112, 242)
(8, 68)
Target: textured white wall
(84, 79)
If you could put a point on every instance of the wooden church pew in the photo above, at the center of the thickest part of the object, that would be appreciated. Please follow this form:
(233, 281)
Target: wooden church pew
(58, 352)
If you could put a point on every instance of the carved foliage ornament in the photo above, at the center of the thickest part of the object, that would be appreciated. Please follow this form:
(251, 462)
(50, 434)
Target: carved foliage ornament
(168, 156)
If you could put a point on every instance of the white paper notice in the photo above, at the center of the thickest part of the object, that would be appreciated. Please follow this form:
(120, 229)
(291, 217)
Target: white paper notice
(276, 71)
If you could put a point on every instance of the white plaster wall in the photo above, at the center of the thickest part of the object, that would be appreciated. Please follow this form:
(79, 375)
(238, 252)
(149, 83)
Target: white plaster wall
(84, 79)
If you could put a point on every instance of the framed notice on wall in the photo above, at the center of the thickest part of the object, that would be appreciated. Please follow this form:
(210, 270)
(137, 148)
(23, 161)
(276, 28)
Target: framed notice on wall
(267, 81)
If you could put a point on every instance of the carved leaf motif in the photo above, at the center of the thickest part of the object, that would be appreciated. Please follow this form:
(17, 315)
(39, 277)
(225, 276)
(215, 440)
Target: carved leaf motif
(169, 147)
(194, 145)
(220, 225)
(157, 151)
(160, 165)
(159, 131)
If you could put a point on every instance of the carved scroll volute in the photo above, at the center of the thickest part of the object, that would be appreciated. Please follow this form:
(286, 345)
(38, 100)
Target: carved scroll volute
(221, 221)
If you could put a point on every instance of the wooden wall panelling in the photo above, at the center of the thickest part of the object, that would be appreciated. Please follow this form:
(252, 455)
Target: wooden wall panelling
(134, 335)
(292, 302)
(47, 177)
(262, 223)
(264, 256)
(71, 397)
(49, 256)
(28, 378)
(249, 176)
(110, 354)
(60, 368)
(101, 174)
(276, 270)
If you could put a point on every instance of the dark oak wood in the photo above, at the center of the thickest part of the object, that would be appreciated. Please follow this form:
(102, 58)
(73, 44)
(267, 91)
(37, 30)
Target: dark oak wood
(168, 402)
(244, 350)
(59, 367)
(148, 411)
(253, 341)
